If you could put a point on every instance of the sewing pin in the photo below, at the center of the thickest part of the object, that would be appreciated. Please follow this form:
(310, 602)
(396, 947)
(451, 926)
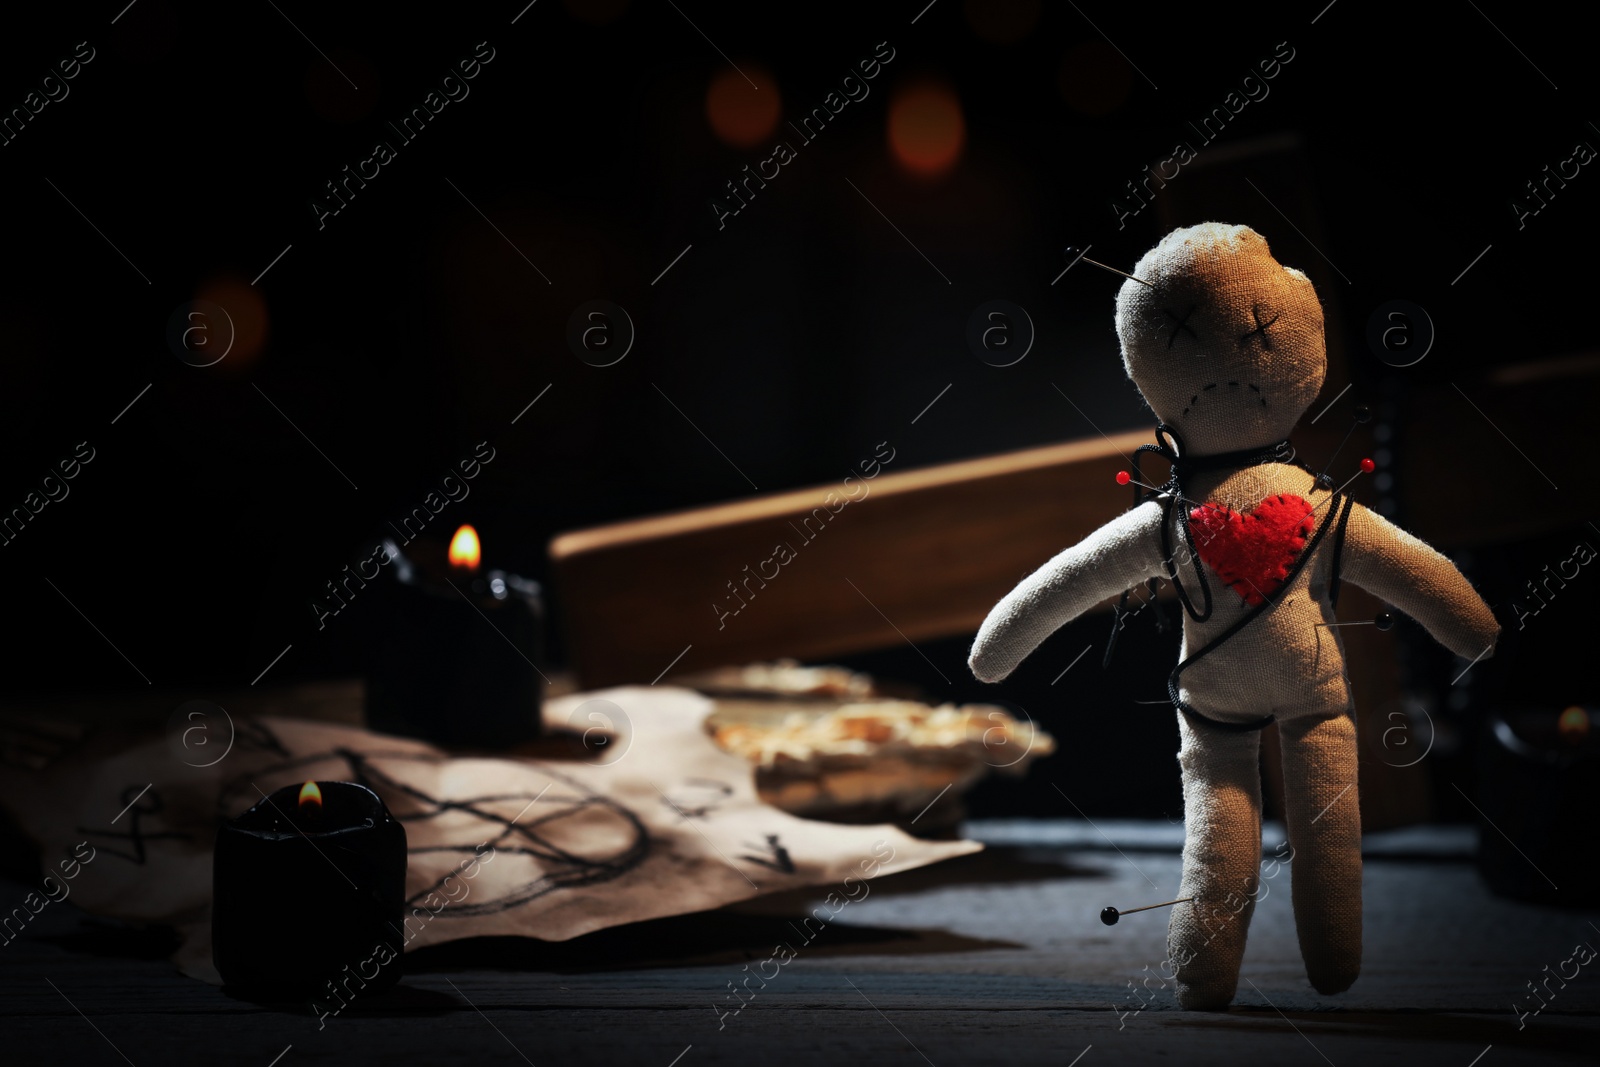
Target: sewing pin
(1362, 414)
(1124, 478)
(1384, 620)
(1367, 467)
(1109, 915)
(1077, 255)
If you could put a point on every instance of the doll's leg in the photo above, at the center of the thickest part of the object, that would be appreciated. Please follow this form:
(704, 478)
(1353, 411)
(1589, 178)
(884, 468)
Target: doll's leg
(1221, 861)
(1324, 817)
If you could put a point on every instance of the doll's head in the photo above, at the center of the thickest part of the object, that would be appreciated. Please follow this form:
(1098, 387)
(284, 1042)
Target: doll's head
(1225, 343)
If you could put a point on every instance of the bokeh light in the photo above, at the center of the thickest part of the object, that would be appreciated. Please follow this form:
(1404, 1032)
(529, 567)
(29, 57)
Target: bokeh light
(247, 311)
(1094, 79)
(740, 115)
(926, 128)
(1002, 21)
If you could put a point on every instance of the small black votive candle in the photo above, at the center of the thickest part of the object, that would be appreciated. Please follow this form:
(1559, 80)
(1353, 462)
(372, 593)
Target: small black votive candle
(453, 648)
(308, 887)
(1538, 800)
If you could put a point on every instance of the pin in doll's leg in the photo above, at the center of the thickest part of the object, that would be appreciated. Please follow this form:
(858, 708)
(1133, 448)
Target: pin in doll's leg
(1323, 807)
(1221, 862)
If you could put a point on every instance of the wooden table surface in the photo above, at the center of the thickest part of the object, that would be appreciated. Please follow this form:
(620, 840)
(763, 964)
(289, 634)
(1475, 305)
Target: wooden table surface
(997, 957)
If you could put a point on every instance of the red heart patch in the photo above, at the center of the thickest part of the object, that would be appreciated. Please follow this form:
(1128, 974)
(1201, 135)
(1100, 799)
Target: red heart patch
(1252, 552)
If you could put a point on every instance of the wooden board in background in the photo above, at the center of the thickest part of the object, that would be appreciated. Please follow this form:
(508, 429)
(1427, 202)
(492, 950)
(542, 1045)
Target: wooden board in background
(923, 554)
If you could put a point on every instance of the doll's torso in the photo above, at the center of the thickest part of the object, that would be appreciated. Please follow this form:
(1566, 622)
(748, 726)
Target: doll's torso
(1281, 663)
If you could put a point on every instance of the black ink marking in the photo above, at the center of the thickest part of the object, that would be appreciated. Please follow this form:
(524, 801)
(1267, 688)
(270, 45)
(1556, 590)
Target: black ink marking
(250, 735)
(690, 809)
(515, 830)
(779, 856)
(136, 834)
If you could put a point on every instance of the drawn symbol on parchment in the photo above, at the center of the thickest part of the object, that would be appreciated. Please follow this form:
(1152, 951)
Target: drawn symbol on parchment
(140, 800)
(698, 798)
(526, 824)
(777, 858)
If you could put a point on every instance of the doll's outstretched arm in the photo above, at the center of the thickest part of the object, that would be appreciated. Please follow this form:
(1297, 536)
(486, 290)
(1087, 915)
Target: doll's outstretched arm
(1115, 557)
(1405, 571)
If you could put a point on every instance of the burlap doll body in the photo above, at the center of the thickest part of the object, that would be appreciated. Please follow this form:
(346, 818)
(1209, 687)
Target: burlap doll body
(1226, 346)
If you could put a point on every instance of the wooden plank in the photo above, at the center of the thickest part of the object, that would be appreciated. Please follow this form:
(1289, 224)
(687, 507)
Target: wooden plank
(920, 554)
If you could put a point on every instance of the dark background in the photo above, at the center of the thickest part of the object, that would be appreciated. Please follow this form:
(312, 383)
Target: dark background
(407, 330)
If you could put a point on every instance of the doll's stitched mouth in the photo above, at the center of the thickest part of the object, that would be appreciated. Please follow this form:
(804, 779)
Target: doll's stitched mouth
(1194, 400)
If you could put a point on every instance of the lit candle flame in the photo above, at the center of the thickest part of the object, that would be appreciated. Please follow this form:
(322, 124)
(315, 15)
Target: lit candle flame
(310, 796)
(1573, 724)
(464, 549)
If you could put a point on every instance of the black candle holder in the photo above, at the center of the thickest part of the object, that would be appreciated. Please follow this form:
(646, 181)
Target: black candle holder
(307, 895)
(1539, 799)
(452, 655)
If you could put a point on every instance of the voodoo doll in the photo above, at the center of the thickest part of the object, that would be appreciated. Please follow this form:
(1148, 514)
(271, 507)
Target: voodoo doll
(1226, 346)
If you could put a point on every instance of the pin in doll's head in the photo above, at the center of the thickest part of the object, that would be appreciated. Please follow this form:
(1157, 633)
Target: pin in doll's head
(1225, 343)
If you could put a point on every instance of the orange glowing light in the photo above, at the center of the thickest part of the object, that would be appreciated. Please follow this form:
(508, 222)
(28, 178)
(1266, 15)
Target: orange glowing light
(926, 128)
(740, 115)
(233, 329)
(310, 796)
(464, 549)
(1573, 724)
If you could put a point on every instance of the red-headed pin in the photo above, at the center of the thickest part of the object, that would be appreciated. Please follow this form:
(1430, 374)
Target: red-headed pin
(1124, 478)
(1367, 467)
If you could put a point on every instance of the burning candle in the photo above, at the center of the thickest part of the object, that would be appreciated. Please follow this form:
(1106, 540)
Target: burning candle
(454, 647)
(465, 551)
(308, 889)
(1573, 726)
